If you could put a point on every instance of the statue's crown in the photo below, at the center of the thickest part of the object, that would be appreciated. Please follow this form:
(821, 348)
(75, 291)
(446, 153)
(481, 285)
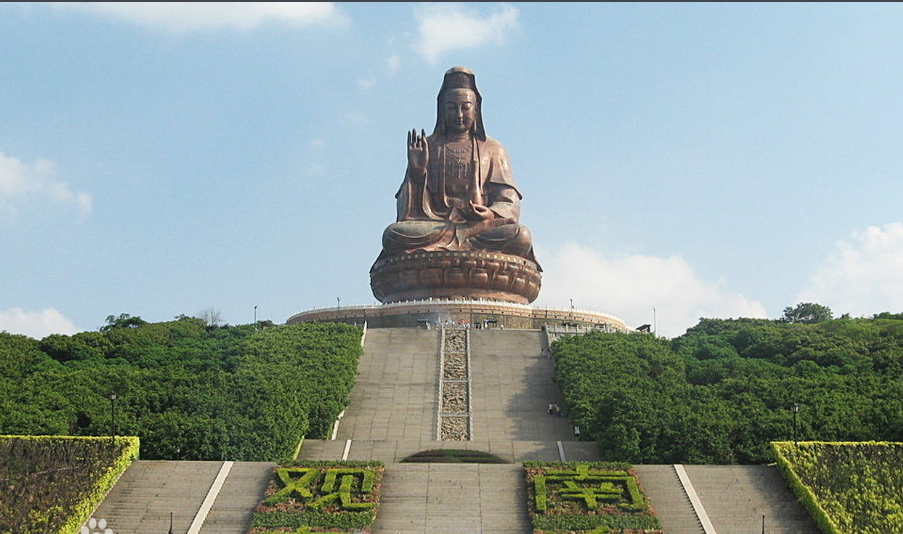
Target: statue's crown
(459, 78)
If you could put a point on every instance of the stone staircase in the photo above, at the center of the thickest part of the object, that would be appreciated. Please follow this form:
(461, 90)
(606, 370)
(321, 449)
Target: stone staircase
(669, 499)
(737, 497)
(240, 494)
(148, 491)
(393, 414)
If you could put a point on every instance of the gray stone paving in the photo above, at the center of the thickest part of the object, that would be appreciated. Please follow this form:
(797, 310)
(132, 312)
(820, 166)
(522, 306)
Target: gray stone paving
(142, 499)
(512, 388)
(395, 395)
(736, 497)
(395, 451)
(231, 512)
(452, 499)
(669, 500)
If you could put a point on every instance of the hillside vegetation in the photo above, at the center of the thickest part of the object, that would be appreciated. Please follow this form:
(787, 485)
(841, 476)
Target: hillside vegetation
(189, 391)
(722, 391)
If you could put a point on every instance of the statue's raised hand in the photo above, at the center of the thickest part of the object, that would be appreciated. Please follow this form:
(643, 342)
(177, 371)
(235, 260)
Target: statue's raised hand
(418, 152)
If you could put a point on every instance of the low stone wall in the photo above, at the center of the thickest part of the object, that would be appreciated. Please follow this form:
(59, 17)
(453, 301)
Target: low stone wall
(481, 313)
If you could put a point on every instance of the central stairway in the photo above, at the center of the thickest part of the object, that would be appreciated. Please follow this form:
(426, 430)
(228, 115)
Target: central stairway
(393, 414)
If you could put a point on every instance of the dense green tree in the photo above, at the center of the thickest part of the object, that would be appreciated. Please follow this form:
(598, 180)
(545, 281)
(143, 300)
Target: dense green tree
(722, 391)
(807, 313)
(123, 321)
(188, 391)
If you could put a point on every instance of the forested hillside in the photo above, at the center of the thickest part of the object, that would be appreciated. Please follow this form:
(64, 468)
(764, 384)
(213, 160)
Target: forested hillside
(722, 391)
(189, 391)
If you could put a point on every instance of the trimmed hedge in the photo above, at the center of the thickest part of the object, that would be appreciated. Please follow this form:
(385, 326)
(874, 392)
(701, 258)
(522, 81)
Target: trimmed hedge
(53, 484)
(586, 497)
(846, 486)
(318, 495)
(453, 456)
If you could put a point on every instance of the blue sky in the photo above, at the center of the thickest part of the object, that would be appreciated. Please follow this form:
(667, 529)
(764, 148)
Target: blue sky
(677, 161)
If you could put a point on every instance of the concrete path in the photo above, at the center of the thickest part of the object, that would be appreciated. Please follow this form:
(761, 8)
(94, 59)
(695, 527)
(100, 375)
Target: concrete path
(395, 394)
(452, 499)
(392, 415)
(148, 491)
(669, 500)
(235, 502)
(736, 497)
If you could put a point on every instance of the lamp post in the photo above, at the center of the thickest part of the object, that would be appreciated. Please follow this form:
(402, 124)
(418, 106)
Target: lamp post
(794, 408)
(255, 318)
(112, 397)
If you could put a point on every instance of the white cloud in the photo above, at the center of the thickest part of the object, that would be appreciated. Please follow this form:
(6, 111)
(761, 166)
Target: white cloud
(631, 287)
(366, 83)
(37, 325)
(21, 183)
(861, 276)
(445, 27)
(357, 119)
(187, 17)
(393, 63)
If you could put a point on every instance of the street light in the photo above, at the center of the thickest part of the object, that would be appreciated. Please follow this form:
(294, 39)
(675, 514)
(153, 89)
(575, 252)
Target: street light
(112, 397)
(255, 318)
(794, 408)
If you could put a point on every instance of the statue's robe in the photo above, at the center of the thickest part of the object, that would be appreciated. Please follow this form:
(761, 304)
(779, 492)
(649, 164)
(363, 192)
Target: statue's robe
(428, 217)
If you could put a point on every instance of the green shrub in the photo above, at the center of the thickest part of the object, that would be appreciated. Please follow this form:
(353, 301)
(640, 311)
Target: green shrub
(721, 392)
(846, 487)
(597, 497)
(52, 484)
(453, 456)
(189, 392)
(320, 495)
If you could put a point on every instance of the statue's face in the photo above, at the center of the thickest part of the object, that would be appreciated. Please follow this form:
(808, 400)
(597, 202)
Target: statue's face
(459, 110)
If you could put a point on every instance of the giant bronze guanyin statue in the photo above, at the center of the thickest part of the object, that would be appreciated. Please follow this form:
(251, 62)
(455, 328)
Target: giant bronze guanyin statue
(457, 233)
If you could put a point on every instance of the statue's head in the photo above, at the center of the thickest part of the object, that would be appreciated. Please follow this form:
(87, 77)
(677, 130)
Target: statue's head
(458, 88)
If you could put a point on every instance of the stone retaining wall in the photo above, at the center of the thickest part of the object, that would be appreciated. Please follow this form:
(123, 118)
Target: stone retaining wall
(492, 314)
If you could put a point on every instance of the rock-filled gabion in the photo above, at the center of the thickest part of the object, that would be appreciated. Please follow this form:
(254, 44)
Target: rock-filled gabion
(455, 429)
(454, 397)
(455, 366)
(454, 418)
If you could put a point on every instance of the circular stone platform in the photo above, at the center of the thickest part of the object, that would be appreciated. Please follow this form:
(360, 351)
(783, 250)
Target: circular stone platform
(465, 274)
(434, 312)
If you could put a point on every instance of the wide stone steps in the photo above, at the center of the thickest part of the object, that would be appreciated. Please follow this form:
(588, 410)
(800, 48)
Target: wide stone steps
(669, 500)
(452, 499)
(235, 502)
(148, 491)
(737, 497)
